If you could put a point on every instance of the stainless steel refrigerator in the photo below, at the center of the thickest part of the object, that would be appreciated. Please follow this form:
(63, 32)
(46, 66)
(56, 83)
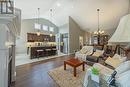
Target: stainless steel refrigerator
(65, 45)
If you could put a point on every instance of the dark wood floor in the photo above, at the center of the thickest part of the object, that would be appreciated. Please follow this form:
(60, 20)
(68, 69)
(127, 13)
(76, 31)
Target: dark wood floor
(36, 74)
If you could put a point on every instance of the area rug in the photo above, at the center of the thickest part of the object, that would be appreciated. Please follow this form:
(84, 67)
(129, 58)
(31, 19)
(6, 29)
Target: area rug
(65, 78)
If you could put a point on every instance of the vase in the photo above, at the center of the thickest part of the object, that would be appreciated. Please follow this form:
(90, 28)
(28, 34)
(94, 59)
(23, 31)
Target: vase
(95, 77)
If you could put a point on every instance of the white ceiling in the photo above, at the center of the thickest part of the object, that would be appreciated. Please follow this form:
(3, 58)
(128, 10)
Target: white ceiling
(82, 11)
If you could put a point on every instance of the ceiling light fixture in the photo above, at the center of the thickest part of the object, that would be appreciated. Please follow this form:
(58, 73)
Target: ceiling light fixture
(72, 6)
(98, 32)
(58, 4)
(51, 35)
(51, 21)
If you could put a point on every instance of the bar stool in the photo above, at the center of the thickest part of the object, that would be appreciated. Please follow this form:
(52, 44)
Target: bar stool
(54, 51)
(48, 52)
(38, 53)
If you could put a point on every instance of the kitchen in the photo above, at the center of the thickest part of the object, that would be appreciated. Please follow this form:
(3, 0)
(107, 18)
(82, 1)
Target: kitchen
(41, 45)
(37, 41)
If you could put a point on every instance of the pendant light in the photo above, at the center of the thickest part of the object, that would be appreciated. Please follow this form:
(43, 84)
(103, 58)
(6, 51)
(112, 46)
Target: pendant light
(98, 32)
(51, 34)
(38, 32)
(51, 21)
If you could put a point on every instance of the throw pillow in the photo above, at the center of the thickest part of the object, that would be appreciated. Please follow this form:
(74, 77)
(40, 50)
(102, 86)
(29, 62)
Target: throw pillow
(83, 50)
(98, 53)
(113, 62)
(116, 56)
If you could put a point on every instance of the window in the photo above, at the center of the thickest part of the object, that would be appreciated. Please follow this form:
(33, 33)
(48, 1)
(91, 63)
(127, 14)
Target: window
(51, 29)
(45, 28)
(37, 26)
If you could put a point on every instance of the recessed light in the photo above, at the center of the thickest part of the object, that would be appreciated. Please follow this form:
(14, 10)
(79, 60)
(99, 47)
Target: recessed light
(72, 7)
(58, 4)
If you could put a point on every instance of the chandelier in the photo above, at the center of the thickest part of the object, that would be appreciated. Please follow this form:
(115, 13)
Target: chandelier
(51, 21)
(98, 32)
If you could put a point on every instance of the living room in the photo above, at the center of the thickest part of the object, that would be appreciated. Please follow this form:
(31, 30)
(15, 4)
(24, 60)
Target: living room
(65, 43)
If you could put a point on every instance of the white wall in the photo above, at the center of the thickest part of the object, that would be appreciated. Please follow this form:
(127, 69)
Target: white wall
(64, 28)
(87, 38)
(3, 58)
(83, 11)
(5, 36)
(74, 33)
(27, 26)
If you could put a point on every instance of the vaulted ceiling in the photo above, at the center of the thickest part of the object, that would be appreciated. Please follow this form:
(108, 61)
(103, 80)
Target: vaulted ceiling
(82, 11)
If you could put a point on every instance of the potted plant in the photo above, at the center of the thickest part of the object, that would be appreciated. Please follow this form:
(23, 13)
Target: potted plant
(95, 74)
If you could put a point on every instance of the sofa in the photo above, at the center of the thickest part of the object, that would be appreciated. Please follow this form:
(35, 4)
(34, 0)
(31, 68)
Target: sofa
(94, 57)
(122, 77)
(82, 54)
(88, 51)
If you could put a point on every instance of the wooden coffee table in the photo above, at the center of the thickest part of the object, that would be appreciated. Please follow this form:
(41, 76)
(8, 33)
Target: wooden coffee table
(74, 63)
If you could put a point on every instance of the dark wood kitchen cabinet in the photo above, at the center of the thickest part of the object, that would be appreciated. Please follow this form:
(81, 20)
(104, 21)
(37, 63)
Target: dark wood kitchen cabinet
(39, 38)
(32, 37)
(46, 38)
(52, 39)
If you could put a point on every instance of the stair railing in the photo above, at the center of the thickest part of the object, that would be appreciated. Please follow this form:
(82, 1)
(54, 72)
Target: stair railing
(6, 7)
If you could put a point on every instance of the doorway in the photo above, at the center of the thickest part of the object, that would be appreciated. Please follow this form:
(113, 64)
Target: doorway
(80, 42)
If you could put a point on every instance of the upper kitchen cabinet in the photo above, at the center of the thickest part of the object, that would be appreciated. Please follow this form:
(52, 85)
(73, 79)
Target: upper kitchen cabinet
(31, 37)
(52, 39)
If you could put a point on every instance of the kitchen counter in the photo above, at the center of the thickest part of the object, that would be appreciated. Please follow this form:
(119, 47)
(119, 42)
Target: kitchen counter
(42, 51)
(42, 46)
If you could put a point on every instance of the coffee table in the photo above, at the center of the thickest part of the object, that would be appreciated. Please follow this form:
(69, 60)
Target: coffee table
(73, 62)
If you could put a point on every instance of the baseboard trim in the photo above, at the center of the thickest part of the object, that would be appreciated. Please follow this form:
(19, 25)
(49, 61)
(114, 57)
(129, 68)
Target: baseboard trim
(71, 53)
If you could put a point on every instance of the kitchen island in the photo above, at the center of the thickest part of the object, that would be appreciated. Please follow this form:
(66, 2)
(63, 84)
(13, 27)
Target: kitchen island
(42, 51)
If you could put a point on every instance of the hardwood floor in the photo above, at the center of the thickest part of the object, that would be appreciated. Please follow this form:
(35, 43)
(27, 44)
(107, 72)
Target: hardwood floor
(36, 74)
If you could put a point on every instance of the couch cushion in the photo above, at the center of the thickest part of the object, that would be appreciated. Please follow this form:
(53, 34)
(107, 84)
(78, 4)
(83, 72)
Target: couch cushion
(123, 67)
(86, 49)
(83, 50)
(89, 52)
(116, 56)
(98, 53)
(121, 58)
(92, 58)
(89, 48)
